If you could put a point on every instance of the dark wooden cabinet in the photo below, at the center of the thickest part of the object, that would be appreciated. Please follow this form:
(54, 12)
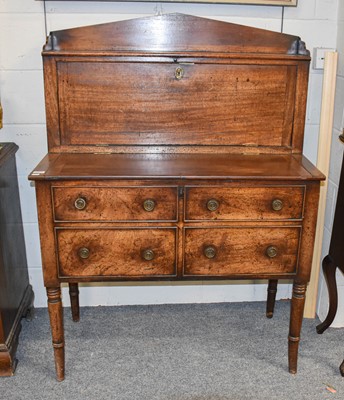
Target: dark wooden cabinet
(16, 296)
(175, 153)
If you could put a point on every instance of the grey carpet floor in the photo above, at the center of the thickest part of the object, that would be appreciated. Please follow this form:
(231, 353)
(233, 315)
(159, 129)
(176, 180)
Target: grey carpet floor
(177, 352)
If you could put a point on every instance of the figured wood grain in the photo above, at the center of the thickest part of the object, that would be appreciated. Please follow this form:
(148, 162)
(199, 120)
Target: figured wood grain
(47, 234)
(249, 90)
(115, 203)
(255, 167)
(308, 232)
(241, 250)
(233, 124)
(299, 107)
(244, 203)
(171, 33)
(51, 101)
(144, 103)
(116, 252)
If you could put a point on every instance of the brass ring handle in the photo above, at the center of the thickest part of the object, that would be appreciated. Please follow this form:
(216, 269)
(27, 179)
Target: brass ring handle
(212, 205)
(80, 203)
(271, 251)
(148, 254)
(84, 252)
(149, 205)
(210, 252)
(179, 73)
(277, 204)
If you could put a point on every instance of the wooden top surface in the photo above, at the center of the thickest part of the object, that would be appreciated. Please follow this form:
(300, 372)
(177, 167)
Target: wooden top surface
(173, 33)
(175, 166)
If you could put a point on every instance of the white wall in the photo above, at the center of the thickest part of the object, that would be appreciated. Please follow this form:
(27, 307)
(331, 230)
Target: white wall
(22, 34)
(333, 179)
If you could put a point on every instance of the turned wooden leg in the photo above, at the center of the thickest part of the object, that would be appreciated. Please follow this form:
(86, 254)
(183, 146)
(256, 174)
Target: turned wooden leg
(74, 301)
(270, 303)
(329, 270)
(56, 324)
(296, 316)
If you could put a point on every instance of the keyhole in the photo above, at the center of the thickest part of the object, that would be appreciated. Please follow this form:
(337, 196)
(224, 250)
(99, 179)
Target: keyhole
(179, 73)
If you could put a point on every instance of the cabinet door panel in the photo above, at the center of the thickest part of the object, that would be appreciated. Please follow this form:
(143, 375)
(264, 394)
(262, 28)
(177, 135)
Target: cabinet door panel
(147, 103)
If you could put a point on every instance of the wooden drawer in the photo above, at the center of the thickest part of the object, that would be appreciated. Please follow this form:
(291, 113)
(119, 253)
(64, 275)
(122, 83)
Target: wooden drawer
(244, 203)
(116, 252)
(247, 250)
(115, 203)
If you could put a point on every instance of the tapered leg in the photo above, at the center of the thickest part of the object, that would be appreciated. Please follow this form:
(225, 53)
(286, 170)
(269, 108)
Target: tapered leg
(74, 301)
(329, 270)
(270, 304)
(296, 316)
(56, 324)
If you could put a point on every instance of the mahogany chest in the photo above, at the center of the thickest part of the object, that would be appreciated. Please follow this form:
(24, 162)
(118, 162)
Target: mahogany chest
(175, 153)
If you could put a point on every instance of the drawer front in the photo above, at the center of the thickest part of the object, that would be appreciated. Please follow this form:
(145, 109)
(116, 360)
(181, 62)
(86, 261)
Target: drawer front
(249, 250)
(115, 203)
(116, 252)
(244, 203)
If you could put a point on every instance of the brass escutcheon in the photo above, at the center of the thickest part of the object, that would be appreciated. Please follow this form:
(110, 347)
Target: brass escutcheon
(84, 252)
(149, 205)
(80, 203)
(148, 254)
(271, 251)
(212, 205)
(277, 204)
(179, 73)
(210, 252)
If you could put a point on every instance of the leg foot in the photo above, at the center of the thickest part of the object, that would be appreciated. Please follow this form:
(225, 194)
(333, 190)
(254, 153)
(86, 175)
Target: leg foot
(296, 316)
(341, 368)
(30, 312)
(74, 301)
(56, 323)
(329, 270)
(270, 304)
